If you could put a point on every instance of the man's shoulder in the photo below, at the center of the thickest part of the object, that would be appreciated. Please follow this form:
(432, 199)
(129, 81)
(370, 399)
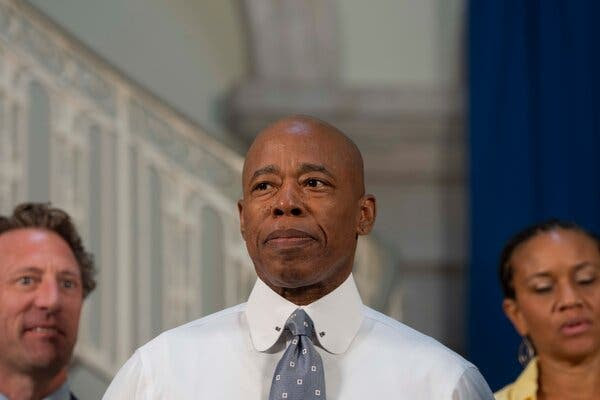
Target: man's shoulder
(403, 341)
(224, 317)
(211, 327)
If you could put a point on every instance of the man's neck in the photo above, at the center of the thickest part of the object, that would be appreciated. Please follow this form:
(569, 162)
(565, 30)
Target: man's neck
(18, 386)
(567, 380)
(306, 295)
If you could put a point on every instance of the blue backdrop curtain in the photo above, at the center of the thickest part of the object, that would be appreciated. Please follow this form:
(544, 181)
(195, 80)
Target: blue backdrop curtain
(534, 133)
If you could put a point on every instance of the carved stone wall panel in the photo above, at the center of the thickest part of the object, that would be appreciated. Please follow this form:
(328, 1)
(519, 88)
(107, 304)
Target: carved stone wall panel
(55, 58)
(293, 40)
(185, 152)
(423, 221)
(440, 312)
(174, 278)
(12, 135)
(5, 157)
(2, 68)
(375, 272)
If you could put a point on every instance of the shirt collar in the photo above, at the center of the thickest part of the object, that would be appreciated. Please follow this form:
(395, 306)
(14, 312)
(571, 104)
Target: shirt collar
(526, 385)
(63, 393)
(336, 316)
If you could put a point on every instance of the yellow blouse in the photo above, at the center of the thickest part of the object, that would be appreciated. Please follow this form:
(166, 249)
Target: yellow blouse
(524, 388)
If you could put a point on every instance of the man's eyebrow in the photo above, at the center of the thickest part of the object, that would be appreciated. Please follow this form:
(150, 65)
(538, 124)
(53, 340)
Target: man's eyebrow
(29, 269)
(70, 275)
(38, 270)
(268, 169)
(307, 167)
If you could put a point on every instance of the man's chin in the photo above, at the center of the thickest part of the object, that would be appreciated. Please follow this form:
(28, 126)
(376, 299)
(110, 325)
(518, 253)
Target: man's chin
(294, 279)
(46, 356)
(292, 274)
(44, 363)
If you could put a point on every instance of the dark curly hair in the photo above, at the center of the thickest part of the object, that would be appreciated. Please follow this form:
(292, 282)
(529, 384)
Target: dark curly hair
(506, 270)
(44, 216)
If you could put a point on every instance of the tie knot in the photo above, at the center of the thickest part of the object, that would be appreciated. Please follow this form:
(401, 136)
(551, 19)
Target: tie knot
(299, 323)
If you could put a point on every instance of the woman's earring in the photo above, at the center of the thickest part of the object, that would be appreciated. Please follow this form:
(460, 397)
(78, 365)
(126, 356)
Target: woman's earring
(526, 351)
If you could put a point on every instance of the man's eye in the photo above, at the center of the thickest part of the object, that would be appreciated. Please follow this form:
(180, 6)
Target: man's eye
(314, 183)
(25, 280)
(261, 186)
(68, 284)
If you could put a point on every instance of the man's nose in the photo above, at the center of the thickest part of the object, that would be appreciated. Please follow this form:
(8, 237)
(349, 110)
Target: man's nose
(568, 297)
(288, 201)
(48, 295)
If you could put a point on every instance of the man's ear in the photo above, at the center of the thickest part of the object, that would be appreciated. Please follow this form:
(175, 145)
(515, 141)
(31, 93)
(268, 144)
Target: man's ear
(513, 312)
(368, 212)
(240, 205)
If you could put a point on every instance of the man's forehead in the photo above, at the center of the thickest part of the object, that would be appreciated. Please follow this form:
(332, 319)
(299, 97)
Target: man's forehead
(317, 142)
(25, 235)
(294, 136)
(300, 158)
(33, 242)
(281, 148)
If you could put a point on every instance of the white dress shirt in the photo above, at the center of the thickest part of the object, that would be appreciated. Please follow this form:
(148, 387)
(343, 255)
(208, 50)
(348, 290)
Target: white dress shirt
(232, 355)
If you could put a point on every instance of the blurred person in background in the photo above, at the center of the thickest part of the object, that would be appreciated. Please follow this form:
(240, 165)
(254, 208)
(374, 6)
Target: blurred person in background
(550, 276)
(45, 273)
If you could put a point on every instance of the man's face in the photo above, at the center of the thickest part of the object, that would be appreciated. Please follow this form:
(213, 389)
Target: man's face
(303, 206)
(40, 301)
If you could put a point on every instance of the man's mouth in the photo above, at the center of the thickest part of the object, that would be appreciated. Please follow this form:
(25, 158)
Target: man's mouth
(284, 238)
(43, 331)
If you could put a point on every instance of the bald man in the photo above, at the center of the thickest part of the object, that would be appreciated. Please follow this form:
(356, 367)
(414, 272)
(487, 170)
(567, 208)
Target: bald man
(304, 332)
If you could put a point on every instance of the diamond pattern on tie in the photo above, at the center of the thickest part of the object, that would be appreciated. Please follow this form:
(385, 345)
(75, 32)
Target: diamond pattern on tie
(299, 374)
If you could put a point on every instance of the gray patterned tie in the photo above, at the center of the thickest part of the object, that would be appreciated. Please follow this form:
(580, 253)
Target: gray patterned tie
(299, 374)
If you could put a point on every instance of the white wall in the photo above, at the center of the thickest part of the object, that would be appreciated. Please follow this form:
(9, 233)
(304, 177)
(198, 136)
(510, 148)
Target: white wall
(188, 53)
(400, 42)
